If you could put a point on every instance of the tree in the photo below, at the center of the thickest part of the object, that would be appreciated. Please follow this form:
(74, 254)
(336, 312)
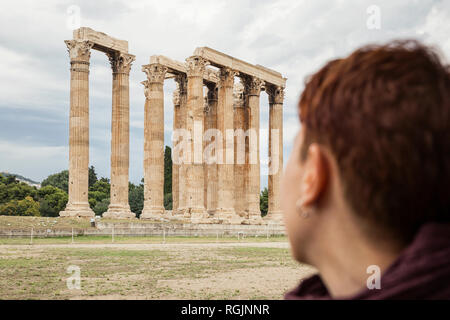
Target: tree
(101, 185)
(12, 189)
(11, 179)
(136, 198)
(101, 207)
(168, 205)
(24, 207)
(52, 200)
(264, 202)
(59, 180)
(9, 208)
(168, 178)
(167, 170)
(92, 176)
(99, 191)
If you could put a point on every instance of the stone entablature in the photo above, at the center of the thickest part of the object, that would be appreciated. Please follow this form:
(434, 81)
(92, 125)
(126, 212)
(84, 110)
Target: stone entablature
(101, 41)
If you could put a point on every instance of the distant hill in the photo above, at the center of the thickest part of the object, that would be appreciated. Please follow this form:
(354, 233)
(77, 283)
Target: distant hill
(22, 179)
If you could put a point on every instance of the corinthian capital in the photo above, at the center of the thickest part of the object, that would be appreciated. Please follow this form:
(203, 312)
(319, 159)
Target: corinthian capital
(212, 91)
(195, 66)
(226, 77)
(155, 72)
(252, 85)
(181, 81)
(79, 50)
(121, 62)
(276, 94)
(238, 95)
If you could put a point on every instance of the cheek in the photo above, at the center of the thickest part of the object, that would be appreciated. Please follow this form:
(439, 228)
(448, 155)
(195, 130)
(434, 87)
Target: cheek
(294, 224)
(290, 183)
(290, 190)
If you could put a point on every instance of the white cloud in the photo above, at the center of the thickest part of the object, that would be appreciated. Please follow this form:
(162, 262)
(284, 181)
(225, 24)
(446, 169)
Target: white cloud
(436, 28)
(32, 161)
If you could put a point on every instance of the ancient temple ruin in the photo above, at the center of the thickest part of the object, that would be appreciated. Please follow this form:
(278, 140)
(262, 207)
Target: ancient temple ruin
(216, 158)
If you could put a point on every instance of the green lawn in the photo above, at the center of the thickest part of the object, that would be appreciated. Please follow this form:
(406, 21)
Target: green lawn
(136, 239)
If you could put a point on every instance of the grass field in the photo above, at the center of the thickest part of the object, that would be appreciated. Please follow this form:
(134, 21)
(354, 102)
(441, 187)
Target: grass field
(143, 267)
(180, 270)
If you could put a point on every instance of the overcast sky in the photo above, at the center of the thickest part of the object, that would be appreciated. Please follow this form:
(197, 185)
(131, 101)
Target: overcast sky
(294, 37)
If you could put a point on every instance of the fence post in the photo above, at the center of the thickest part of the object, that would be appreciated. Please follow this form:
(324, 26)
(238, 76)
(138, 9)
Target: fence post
(112, 234)
(31, 239)
(164, 236)
(72, 235)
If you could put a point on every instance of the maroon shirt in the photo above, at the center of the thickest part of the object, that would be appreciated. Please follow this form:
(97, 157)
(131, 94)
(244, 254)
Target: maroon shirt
(421, 271)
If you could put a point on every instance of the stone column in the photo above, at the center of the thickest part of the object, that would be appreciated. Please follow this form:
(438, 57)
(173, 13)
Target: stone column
(211, 166)
(78, 205)
(154, 141)
(239, 151)
(225, 168)
(205, 165)
(181, 81)
(175, 166)
(120, 136)
(252, 89)
(276, 96)
(195, 207)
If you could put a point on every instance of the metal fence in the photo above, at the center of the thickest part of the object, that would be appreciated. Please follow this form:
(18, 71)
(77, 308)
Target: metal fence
(113, 233)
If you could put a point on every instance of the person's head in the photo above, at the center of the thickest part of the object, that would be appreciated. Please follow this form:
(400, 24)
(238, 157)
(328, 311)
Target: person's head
(374, 147)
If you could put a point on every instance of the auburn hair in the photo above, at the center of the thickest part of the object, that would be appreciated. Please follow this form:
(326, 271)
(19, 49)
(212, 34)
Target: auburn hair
(384, 113)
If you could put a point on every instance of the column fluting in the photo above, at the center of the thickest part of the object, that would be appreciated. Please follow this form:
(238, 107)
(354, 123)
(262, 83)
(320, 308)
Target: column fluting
(78, 205)
(252, 89)
(276, 97)
(154, 141)
(195, 208)
(120, 136)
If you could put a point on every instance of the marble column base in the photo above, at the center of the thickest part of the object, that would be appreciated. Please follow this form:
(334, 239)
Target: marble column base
(118, 212)
(77, 210)
(254, 220)
(178, 212)
(199, 215)
(152, 213)
(275, 216)
(235, 220)
(198, 212)
(225, 213)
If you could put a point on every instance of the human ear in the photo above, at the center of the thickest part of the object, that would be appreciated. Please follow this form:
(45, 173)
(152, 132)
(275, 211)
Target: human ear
(315, 176)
